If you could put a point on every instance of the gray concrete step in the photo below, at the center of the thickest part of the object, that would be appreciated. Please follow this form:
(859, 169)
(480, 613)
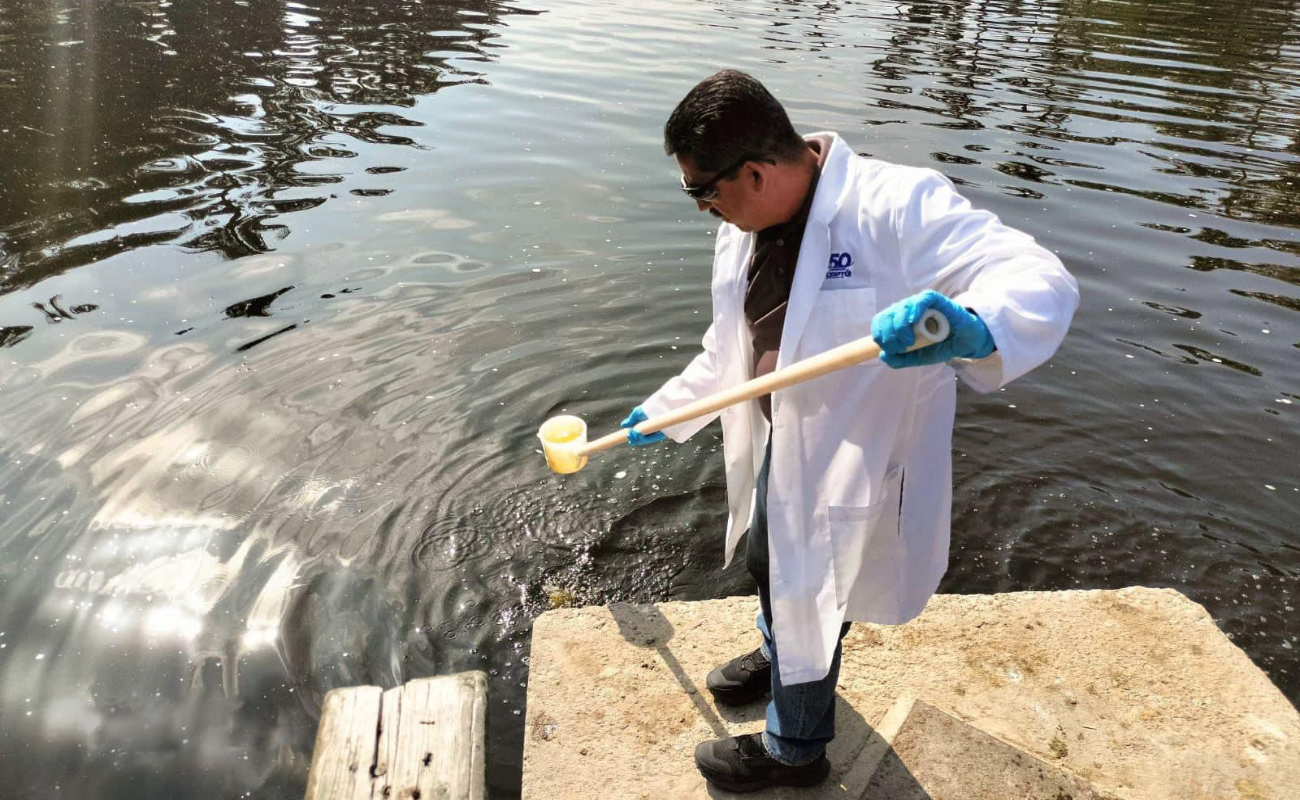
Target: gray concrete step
(1135, 691)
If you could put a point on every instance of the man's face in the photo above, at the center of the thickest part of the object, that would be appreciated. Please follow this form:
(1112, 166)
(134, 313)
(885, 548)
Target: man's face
(731, 200)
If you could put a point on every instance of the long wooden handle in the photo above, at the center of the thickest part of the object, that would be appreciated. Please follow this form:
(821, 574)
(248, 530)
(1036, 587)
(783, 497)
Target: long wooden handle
(932, 328)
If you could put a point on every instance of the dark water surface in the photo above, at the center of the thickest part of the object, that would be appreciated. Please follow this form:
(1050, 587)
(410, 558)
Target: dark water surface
(287, 287)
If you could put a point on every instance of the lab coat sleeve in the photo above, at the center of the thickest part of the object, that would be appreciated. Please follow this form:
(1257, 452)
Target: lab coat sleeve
(1021, 290)
(699, 379)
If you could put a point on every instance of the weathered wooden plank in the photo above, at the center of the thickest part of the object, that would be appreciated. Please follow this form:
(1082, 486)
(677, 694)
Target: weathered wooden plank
(420, 741)
(431, 739)
(345, 744)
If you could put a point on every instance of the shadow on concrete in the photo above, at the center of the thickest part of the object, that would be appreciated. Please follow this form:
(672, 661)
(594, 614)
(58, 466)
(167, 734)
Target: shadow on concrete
(646, 626)
(856, 753)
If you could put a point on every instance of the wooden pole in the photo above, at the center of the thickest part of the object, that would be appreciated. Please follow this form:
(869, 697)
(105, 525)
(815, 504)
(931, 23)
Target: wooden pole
(931, 328)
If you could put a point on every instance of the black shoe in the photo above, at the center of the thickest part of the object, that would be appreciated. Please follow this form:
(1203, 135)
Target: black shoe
(742, 764)
(741, 680)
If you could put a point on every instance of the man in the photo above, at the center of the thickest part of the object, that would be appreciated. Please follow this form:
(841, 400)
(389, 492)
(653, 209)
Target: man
(844, 482)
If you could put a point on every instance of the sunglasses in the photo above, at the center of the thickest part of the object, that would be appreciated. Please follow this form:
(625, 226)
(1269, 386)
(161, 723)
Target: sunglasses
(708, 192)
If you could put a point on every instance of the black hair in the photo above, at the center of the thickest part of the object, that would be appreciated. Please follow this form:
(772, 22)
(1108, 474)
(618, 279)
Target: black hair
(729, 116)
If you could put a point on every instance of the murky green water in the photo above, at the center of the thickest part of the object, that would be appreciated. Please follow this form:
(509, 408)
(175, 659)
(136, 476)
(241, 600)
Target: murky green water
(286, 288)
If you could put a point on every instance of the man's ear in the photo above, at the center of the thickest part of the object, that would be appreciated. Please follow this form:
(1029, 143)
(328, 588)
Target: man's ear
(757, 176)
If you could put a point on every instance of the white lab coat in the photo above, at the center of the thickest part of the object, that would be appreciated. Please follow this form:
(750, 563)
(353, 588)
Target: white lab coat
(846, 541)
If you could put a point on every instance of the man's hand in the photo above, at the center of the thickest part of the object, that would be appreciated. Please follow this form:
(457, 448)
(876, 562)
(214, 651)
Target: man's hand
(635, 439)
(892, 330)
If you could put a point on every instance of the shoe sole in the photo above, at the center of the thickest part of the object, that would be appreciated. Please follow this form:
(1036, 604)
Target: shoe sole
(812, 779)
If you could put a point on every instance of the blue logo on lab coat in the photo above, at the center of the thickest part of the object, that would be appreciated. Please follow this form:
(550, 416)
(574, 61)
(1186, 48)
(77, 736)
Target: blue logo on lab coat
(839, 266)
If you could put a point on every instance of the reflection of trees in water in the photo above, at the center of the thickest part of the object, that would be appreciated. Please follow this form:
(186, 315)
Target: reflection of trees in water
(146, 122)
(1218, 73)
(1214, 85)
(974, 59)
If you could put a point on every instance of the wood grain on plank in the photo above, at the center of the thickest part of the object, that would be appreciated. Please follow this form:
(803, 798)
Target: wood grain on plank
(420, 741)
(345, 744)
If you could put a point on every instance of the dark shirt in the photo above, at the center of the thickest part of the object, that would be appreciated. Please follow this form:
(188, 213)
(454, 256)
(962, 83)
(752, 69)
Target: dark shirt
(771, 275)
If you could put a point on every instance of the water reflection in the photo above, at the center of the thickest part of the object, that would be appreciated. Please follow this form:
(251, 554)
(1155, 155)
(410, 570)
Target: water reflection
(135, 124)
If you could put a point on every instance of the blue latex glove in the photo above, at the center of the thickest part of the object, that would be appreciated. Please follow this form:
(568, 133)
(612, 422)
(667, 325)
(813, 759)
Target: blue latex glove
(892, 330)
(635, 439)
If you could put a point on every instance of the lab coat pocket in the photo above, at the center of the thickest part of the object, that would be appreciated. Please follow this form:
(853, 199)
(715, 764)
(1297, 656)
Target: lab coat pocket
(838, 317)
(866, 550)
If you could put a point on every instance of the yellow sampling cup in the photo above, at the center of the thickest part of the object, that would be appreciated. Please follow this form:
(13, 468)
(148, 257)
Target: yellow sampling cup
(561, 437)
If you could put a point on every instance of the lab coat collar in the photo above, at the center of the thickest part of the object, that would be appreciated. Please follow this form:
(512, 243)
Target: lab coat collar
(814, 250)
(830, 186)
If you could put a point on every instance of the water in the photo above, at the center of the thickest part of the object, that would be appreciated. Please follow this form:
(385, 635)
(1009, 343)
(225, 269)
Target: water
(287, 287)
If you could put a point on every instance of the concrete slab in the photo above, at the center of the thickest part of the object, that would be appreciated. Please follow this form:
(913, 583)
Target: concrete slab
(936, 756)
(1135, 690)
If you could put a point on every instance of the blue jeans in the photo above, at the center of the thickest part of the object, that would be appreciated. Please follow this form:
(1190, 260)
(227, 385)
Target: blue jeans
(800, 718)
